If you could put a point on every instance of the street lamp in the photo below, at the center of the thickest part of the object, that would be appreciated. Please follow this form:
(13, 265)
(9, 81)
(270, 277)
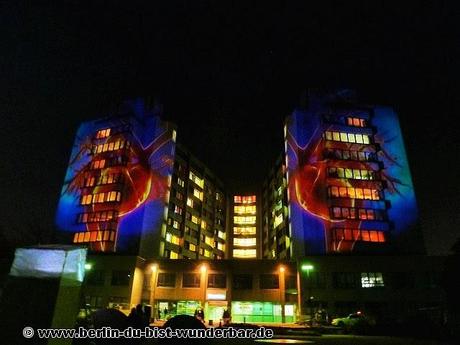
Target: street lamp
(282, 269)
(153, 285)
(203, 270)
(307, 268)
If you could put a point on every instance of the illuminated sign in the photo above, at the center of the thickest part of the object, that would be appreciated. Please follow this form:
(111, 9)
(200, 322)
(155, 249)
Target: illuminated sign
(216, 296)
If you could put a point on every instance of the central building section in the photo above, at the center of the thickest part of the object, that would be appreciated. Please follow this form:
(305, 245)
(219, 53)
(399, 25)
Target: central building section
(245, 227)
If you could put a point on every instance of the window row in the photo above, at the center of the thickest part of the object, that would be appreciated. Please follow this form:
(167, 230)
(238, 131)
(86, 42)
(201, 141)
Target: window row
(357, 213)
(106, 163)
(244, 209)
(244, 220)
(93, 236)
(361, 156)
(103, 133)
(350, 280)
(198, 181)
(102, 216)
(244, 242)
(112, 146)
(247, 199)
(100, 198)
(354, 193)
(250, 230)
(244, 253)
(347, 137)
(339, 234)
(110, 178)
(356, 122)
(356, 174)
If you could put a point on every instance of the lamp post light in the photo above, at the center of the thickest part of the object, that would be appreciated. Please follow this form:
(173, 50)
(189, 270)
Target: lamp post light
(307, 268)
(204, 276)
(153, 284)
(282, 269)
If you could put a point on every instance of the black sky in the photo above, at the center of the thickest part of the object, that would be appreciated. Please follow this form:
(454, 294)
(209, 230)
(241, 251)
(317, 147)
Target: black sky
(227, 74)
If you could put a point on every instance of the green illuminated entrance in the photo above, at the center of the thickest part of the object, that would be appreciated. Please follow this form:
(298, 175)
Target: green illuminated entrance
(261, 312)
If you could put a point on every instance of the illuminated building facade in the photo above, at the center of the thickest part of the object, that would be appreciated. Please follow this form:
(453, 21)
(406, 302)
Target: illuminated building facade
(245, 239)
(345, 180)
(131, 189)
(196, 224)
(342, 185)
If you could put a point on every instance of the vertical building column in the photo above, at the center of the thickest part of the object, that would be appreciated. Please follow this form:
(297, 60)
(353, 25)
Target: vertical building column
(282, 288)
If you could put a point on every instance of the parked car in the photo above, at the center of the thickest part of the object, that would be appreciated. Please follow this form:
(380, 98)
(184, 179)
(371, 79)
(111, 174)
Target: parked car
(352, 320)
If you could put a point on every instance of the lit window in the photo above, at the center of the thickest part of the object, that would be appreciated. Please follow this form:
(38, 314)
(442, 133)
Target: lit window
(278, 220)
(180, 182)
(195, 220)
(221, 246)
(244, 220)
(245, 209)
(176, 224)
(174, 255)
(250, 230)
(221, 234)
(244, 242)
(198, 194)
(192, 247)
(203, 225)
(103, 133)
(370, 280)
(244, 253)
(209, 241)
(189, 202)
(196, 179)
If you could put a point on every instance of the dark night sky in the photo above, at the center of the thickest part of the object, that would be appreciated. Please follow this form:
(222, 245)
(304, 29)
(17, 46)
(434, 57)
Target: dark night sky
(227, 75)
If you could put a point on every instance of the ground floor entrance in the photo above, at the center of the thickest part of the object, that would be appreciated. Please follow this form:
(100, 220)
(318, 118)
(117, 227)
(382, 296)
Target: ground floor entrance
(253, 311)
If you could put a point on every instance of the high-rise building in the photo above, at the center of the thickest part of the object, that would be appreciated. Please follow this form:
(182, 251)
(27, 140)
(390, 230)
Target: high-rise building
(131, 189)
(345, 180)
(342, 185)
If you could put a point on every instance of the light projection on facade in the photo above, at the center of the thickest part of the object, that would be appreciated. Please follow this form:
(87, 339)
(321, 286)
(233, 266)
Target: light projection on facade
(117, 181)
(350, 187)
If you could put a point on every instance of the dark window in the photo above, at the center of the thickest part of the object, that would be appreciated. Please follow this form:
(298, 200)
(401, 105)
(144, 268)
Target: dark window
(217, 280)
(318, 279)
(269, 281)
(94, 301)
(191, 280)
(345, 280)
(166, 279)
(242, 281)
(121, 277)
(290, 282)
(95, 277)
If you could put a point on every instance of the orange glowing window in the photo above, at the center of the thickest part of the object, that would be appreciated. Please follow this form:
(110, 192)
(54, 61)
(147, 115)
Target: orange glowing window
(93, 236)
(103, 133)
(87, 236)
(375, 195)
(112, 236)
(365, 236)
(362, 213)
(75, 238)
(351, 192)
(359, 193)
(374, 236)
(343, 192)
(334, 191)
